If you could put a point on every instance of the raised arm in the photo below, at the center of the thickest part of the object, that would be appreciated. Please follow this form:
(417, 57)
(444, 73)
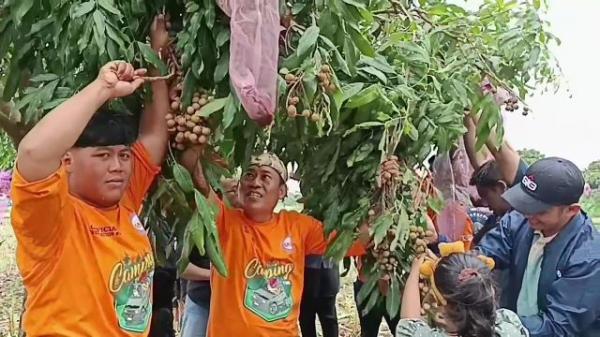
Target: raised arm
(190, 159)
(41, 150)
(153, 129)
(506, 156)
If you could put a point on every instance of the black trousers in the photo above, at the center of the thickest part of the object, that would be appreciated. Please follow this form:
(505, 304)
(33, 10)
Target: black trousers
(318, 299)
(369, 323)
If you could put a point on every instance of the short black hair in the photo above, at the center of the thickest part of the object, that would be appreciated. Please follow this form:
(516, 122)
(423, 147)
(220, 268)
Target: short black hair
(487, 175)
(108, 128)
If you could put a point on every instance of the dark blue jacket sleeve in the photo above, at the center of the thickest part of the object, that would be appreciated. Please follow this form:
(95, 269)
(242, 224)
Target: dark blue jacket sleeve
(573, 301)
(498, 242)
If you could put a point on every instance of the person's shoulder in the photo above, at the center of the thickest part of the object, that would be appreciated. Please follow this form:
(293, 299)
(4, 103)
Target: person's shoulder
(514, 220)
(508, 324)
(587, 246)
(298, 217)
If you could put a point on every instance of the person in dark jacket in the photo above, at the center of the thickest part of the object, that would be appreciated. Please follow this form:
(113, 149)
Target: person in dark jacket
(552, 251)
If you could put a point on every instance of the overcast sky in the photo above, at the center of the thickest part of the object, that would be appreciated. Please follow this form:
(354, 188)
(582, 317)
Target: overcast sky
(559, 125)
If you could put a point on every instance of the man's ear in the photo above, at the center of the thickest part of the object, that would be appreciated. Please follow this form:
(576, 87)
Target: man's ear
(503, 185)
(574, 208)
(67, 161)
(283, 190)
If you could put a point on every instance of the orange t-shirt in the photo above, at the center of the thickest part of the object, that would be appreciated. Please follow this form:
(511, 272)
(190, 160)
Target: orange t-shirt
(87, 271)
(261, 296)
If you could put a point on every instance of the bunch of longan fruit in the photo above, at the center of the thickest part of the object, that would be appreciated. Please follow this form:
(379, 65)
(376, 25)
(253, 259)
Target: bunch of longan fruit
(186, 125)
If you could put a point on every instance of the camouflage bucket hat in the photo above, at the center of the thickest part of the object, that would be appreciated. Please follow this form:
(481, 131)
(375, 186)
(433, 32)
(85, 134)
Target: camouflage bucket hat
(271, 160)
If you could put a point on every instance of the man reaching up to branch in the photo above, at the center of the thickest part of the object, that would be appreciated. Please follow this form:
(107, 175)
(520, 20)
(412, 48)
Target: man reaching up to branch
(264, 252)
(80, 178)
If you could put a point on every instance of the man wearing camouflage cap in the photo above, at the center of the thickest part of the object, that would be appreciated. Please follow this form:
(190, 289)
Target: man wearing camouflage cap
(264, 252)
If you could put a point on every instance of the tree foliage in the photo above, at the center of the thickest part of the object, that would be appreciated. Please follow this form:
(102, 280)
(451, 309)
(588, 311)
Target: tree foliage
(592, 174)
(530, 156)
(402, 74)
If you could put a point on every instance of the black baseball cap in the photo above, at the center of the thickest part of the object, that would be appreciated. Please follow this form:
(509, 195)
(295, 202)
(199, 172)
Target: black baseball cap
(548, 182)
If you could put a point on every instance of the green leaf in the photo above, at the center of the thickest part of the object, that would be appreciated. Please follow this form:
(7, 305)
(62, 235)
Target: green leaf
(308, 40)
(297, 8)
(393, 298)
(38, 26)
(83, 9)
(21, 8)
(212, 107)
(361, 153)
(12, 82)
(44, 78)
(381, 226)
(367, 289)
(222, 38)
(222, 67)
(365, 97)
(537, 4)
(99, 31)
(231, 108)
(110, 7)
(152, 57)
(371, 303)
(361, 42)
(375, 72)
(350, 90)
(183, 178)
(435, 203)
(411, 131)
(365, 125)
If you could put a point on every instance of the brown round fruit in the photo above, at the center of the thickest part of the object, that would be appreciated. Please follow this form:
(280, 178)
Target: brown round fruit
(206, 131)
(290, 77)
(193, 138)
(195, 119)
(197, 130)
(196, 94)
(315, 117)
(171, 123)
(181, 121)
(196, 106)
(172, 130)
(180, 147)
(323, 77)
(202, 101)
(426, 306)
(181, 128)
(190, 110)
(175, 105)
(294, 100)
(169, 116)
(386, 253)
(306, 113)
(190, 125)
(202, 139)
(179, 137)
(325, 68)
(196, 99)
(291, 110)
(371, 212)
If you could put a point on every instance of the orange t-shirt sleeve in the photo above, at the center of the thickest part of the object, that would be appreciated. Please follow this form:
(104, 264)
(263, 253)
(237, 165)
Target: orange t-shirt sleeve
(36, 212)
(142, 175)
(468, 234)
(316, 243)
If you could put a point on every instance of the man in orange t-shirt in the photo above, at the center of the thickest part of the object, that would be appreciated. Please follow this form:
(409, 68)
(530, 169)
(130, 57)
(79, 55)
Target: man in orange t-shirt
(79, 181)
(264, 251)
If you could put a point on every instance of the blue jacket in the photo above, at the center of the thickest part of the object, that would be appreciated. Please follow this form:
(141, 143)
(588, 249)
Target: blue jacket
(569, 285)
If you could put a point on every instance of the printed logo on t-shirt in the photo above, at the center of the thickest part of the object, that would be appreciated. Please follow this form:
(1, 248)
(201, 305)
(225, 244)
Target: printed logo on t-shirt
(288, 246)
(137, 224)
(131, 284)
(269, 290)
(104, 230)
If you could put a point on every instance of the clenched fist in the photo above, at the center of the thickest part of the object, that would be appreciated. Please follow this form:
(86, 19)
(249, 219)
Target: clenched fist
(120, 78)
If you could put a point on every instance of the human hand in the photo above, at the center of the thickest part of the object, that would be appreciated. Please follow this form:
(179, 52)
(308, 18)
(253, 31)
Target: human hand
(159, 34)
(120, 78)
